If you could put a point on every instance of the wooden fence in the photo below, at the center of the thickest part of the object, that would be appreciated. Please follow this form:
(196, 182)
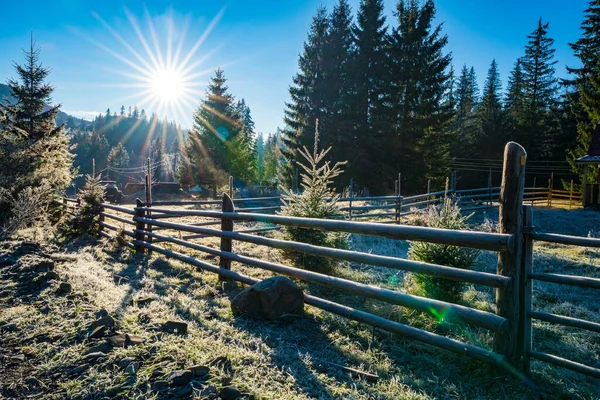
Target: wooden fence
(147, 225)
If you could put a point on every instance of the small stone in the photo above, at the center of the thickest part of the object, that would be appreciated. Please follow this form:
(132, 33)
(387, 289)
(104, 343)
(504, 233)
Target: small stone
(209, 390)
(18, 358)
(64, 288)
(106, 321)
(269, 299)
(102, 348)
(46, 309)
(200, 371)
(229, 393)
(175, 327)
(133, 340)
(31, 381)
(133, 368)
(126, 361)
(181, 377)
(97, 332)
(94, 357)
(9, 327)
(160, 386)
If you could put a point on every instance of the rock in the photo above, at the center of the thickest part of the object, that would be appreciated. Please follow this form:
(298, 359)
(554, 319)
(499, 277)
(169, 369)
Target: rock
(100, 326)
(94, 357)
(126, 361)
(102, 348)
(18, 358)
(175, 327)
(48, 276)
(97, 332)
(46, 309)
(8, 327)
(200, 371)
(31, 381)
(269, 299)
(180, 378)
(125, 340)
(229, 393)
(133, 368)
(64, 288)
(160, 386)
(208, 391)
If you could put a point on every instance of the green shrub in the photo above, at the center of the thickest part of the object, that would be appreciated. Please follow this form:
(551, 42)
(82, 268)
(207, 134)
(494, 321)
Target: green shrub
(86, 218)
(448, 216)
(313, 202)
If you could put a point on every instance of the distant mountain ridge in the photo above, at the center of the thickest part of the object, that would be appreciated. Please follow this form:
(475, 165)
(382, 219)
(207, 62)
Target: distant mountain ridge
(61, 117)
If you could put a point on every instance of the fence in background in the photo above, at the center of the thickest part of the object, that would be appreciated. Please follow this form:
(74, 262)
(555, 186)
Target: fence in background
(151, 223)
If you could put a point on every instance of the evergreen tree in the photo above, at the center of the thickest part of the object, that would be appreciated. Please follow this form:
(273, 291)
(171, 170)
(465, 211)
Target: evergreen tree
(217, 146)
(371, 88)
(540, 90)
(118, 158)
(420, 143)
(464, 126)
(514, 104)
(584, 86)
(337, 127)
(34, 151)
(307, 98)
(490, 115)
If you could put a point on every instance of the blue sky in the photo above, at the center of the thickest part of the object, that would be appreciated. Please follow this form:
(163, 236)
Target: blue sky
(256, 42)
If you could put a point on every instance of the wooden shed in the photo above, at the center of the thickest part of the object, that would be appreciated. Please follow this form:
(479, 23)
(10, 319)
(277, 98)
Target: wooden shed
(591, 161)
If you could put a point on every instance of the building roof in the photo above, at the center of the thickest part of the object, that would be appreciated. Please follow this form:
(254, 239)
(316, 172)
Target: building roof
(593, 155)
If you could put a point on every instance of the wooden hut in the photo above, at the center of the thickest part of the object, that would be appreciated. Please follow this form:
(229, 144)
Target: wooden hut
(591, 190)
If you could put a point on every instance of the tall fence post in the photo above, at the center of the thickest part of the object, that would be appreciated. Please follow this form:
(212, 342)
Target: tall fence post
(526, 289)
(100, 219)
(510, 220)
(428, 189)
(226, 225)
(139, 226)
(350, 197)
(148, 200)
(550, 187)
(397, 200)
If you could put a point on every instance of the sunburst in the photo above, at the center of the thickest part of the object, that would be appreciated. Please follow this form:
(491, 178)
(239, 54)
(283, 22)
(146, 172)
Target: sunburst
(166, 77)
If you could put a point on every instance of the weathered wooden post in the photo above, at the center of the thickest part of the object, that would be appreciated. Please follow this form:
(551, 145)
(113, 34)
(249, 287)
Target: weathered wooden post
(231, 186)
(428, 189)
(139, 226)
(510, 221)
(148, 200)
(226, 225)
(550, 187)
(526, 289)
(100, 219)
(571, 195)
(350, 197)
(397, 200)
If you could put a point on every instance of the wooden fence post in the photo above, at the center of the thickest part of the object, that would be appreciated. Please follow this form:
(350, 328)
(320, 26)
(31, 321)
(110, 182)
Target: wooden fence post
(148, 213)
(428, 189)
(350, 202)
(526, 289)
(231, 186)
(571, 195)
(226, 225)
(139, 227)
(550, 187)
(510, 219)
(100, 219)
(397, 194)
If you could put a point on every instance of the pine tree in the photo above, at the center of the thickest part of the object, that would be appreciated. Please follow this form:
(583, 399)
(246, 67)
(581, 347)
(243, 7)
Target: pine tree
(514, 104)
(371, 89)
(337, 127)
(584, 86)
(490, 139)
(217, 146)
(118, 158)
(307, 98)
(540, 92)
(464, 126)
(420, 116)
(34, 151)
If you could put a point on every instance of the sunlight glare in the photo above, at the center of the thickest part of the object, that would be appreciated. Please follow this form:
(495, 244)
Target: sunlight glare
(167, 85)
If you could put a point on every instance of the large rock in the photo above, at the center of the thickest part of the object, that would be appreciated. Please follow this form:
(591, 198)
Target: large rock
(269, 299)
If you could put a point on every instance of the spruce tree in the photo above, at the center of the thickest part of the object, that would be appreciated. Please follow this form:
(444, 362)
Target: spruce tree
(490, 140)
(419, 147)
(540, 90)
(584, 86)
(308, 96)
(514, 104)
(371, 89)
(464, 126)
(34, 151)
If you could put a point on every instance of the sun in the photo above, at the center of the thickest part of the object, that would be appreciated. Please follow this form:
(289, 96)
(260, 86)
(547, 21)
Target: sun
(167, 85)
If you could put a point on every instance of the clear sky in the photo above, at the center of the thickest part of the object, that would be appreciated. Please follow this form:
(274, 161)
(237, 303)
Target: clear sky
(91, 46)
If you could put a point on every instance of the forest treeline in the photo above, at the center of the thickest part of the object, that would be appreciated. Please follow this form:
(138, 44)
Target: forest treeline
(387, 96)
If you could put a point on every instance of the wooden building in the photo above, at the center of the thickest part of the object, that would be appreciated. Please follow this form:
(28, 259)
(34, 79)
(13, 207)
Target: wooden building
(591, 162)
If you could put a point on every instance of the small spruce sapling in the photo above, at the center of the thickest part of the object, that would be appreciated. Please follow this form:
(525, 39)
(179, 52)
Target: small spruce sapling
(317, 200)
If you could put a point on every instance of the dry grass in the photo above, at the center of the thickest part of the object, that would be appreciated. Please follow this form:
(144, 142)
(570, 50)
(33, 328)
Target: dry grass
(288, 360)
